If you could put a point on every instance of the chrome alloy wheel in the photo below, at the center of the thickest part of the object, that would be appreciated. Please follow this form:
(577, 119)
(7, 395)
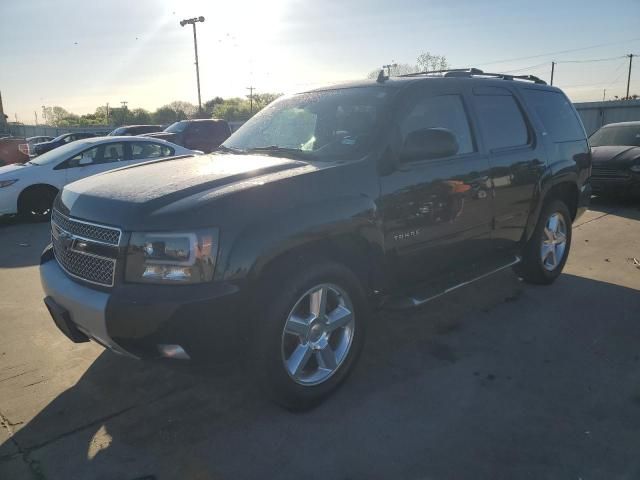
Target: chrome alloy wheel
(318, 334)
(554, 242)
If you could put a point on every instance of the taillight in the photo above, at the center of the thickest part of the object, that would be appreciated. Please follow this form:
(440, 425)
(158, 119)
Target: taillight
(24, 148)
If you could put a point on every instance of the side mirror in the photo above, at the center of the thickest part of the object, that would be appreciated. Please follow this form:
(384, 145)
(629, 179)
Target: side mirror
(85, 160)
(428, 144)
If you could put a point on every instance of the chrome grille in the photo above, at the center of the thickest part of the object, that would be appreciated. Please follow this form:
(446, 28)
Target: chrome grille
(86, 230)
(82, 264)
(604, 172)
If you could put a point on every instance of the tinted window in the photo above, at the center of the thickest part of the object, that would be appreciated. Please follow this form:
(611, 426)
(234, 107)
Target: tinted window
(149, 150)
(556, 113)
(627, 135)
(446, 111)
(113, 152)
(501, 121)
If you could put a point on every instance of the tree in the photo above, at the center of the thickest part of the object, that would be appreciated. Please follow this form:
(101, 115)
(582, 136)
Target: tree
(424, 63)
(164, 115)
(183, 109)
(139, 116)
(233, 109)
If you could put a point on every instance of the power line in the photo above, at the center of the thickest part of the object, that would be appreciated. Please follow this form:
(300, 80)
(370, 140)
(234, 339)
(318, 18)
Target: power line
(593, 60)
(559, 52)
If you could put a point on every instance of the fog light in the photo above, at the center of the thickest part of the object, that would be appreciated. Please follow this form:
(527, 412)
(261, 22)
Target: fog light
(173, 351)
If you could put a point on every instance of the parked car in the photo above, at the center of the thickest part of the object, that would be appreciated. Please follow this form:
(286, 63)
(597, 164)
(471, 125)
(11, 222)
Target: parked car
(27, 146)
(11, 151)
(616, 159)
(40, 148)
(324, 205)
(29, 189)
(204, 135)
(135, 130)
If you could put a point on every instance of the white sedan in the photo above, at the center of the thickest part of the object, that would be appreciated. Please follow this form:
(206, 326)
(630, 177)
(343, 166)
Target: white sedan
(30, 189)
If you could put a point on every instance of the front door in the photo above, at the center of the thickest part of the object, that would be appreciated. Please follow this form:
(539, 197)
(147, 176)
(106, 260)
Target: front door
(98, 159)
(437, 212)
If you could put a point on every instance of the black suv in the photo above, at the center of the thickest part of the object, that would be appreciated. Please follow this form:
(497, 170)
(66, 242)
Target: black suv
(201, 134)
(44, 147)
(326, 204)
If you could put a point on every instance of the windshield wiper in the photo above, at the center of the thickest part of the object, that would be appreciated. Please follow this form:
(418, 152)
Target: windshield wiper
(224, 148)
(275, 149)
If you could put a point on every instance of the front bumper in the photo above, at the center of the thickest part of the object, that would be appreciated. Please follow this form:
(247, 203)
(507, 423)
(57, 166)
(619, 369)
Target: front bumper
(9, 200)
(205, 320)
(629, 185)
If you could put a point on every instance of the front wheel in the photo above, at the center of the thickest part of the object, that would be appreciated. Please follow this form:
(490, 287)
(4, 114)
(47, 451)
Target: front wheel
(311, 334)
(546, 252)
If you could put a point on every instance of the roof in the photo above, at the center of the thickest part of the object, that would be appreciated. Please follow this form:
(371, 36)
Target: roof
(120, 138)
(403, 81)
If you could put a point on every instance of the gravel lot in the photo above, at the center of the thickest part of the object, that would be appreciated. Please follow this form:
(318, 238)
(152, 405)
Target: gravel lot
(500, 380)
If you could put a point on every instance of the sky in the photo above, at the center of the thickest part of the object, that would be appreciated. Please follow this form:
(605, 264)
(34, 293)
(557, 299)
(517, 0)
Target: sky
(80, 54)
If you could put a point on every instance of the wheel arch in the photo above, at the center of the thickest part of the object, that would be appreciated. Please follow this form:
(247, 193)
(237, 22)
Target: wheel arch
(36, 187)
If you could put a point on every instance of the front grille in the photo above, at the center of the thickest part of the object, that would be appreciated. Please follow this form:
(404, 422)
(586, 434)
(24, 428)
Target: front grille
(604, 172)
(86, 230)
(72, 249)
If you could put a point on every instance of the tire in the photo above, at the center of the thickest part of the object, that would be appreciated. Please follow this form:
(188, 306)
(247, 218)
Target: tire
(36, 203)
(291, 340)
(545, 254)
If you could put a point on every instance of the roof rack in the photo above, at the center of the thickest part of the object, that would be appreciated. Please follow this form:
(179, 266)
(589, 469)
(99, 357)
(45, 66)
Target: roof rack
(476, 72)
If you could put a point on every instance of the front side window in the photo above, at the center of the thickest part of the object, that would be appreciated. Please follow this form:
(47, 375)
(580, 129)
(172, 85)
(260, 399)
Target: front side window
(444, 112)
(556, 113)
(501, 121)
(143, 150)
(622, 135)
(324, 125)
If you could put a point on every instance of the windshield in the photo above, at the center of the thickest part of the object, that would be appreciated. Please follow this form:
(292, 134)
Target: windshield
(118, 131)
(618, 135)
(332, 124)
(176, 127)
(59, 153)
(60, 137)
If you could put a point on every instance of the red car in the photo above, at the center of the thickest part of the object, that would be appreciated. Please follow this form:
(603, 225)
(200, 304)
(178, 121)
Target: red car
(13, 150)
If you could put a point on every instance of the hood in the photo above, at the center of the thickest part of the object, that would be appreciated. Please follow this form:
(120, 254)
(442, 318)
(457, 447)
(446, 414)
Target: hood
(8, 170)
(154, 189)
(614, 154)
(162, 135)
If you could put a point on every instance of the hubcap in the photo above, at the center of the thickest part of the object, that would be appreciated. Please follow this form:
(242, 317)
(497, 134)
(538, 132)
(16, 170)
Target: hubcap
(317, 335)
(554, 242)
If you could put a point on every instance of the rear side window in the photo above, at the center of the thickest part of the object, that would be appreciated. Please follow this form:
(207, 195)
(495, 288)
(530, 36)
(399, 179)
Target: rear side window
(501, 121)
(556, 113)
(445, 111)
(142, 150)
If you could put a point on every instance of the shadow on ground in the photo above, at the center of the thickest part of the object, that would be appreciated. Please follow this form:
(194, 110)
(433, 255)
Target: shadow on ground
(498, 381)
(22, 242)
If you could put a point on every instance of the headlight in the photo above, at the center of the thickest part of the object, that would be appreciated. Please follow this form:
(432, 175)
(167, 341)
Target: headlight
(172, 258)
(635, 168)
(6, 183)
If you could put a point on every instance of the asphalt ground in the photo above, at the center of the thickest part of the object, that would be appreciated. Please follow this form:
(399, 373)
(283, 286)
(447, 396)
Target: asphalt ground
(499, 380)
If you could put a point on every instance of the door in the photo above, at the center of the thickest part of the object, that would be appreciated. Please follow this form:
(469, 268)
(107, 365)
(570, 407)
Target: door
(517, 160)
(95, 160)
(436, 208)
(145, 151)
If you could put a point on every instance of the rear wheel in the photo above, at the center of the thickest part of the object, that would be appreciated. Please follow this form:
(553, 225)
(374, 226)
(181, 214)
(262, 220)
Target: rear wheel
(311, 334)
(36, 203)
(546, 252)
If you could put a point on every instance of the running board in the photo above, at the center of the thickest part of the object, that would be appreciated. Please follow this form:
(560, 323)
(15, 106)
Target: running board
(417, 300)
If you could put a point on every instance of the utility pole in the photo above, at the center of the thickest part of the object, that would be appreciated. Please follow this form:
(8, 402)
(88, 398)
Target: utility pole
(629, 76)
(35, 114)
(193, 22)
(124, 104)
(553, 68)
(604, 94)
(107, 113)
(250, 99)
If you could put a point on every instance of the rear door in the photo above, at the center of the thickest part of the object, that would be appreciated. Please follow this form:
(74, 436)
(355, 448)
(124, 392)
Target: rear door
(145, 151)
(517, 158)
(437, 212)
